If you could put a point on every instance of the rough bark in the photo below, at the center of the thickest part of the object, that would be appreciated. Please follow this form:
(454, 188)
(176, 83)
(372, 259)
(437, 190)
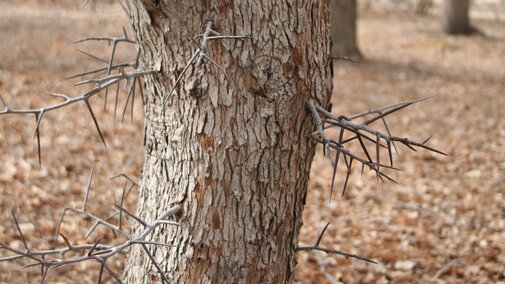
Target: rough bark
(455, 17)
(234, 153)
(343, 28)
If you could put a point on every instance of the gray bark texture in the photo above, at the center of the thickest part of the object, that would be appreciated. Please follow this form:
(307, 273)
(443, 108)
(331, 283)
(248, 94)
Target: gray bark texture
(343, 28)
(455, 17)
(234, 152)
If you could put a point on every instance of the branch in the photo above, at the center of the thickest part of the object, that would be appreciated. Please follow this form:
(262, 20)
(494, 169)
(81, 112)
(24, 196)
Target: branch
(325, 120)
(94, 251)
(201, 52)
(331, 251)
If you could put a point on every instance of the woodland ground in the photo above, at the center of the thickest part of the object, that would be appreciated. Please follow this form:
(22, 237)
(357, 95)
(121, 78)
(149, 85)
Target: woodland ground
(445, 220)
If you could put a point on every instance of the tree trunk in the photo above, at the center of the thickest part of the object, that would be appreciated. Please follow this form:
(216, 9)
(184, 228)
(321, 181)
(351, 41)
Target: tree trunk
(422, 6)
(455, 17)
(343, 28)
(234, 152)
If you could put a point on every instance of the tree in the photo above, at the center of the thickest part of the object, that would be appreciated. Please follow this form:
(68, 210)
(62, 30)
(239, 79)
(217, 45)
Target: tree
(422, 6)
(455, 17)
(343, 28)
(233, 91)
(221, 142)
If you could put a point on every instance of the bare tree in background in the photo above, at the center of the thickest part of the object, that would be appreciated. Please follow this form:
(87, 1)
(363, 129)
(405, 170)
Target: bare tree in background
(236, 98)
(455, 17)
(422, 6)
(343, 28)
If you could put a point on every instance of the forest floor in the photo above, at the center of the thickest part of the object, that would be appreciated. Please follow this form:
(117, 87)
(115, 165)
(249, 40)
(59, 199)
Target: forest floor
(444, 222)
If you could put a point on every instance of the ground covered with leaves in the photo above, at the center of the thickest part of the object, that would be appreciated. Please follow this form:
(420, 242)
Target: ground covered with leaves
(444, 222)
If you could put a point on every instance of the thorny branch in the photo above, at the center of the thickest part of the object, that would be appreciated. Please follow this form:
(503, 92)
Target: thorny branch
(316, 246)
(361, 132)
(201, 52)
(93, 251)
(112, 74)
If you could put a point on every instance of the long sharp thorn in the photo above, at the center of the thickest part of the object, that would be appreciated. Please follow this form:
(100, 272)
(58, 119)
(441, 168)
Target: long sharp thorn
(141, 92)
(219, 67)
(86, 192)
(347, 175)
(408, 145)
(388, 141)
(105, 99)
(378, 161)
(85, 3)
(111, 273)
(44, 274)
(389, 132)
(92, 56)
(38, 119)
(133, 98)
(321, 235)
(94, 246)
(364, 147)
(121, 205)
(19, 231)
(59, 224)
(100, 274)
(96, 123)
(31, 265)
(69, 245)
(127, 100)
(92, 229)
(37, 132)
(124, 30)
(160, 271)
(133, 216)
(183, 71)
(362, 170)
(115, 103)
(334, 172)
(427, 139)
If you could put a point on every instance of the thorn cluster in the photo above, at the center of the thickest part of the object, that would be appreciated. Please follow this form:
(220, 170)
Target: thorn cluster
(201, 52)
(361, 132)
(94, 251)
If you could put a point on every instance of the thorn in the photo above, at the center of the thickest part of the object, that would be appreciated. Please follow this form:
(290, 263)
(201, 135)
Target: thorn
(363, 147)
(69, 245)
(19, 231)
(100, 274)
(38, 118)
(348, 173)
(155, 263)
(425, 141)
(321, 235)
(96, 123)
(94, 246)
(86, 193)
(378, 161)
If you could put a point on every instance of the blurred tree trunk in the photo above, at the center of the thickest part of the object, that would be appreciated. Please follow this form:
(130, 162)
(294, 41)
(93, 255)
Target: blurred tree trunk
(422, 6)
(343, 28)
(455, 17)
(235, 152)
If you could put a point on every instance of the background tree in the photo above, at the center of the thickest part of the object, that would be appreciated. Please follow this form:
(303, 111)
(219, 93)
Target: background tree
(343, 28)
(422, 6)
(455, 17)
